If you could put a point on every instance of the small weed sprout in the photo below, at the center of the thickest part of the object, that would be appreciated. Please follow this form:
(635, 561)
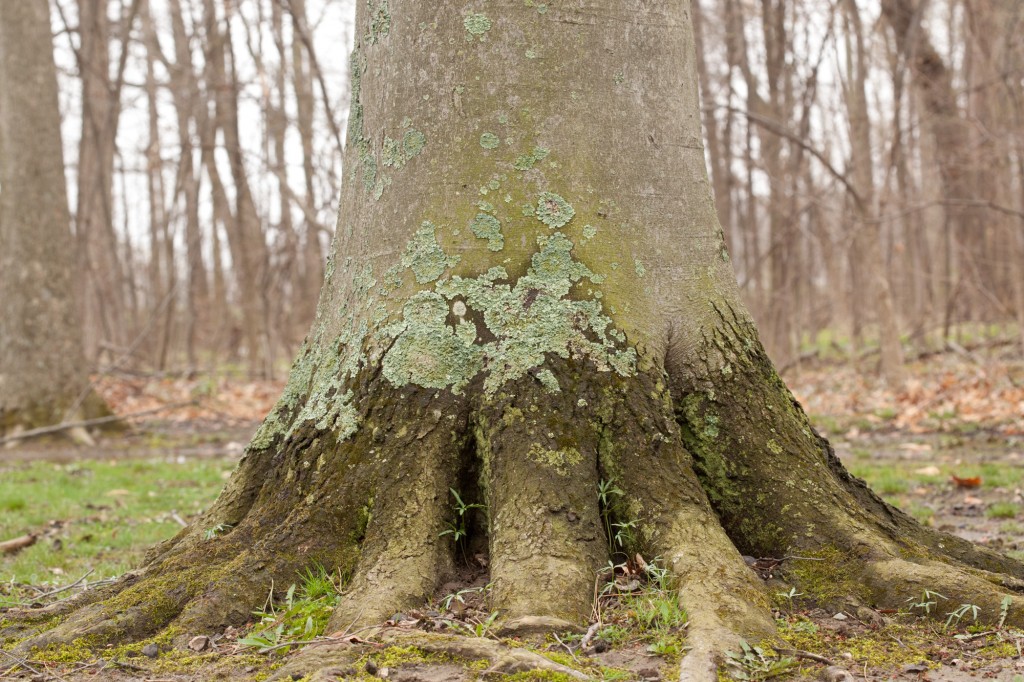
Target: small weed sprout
(625, 533)
(606, 490)
(645, 606)
(301, 616)
(954, 616)
(219, 529)
(752, 663)
(446, 603)
(457, 526)
(789, 596)
(1004, 610)
(925, 602)
(477, 628)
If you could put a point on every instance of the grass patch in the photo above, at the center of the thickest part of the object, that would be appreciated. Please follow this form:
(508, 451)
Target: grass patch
(1002, 510)
(885, 479)
(302, 615)
(96, 515)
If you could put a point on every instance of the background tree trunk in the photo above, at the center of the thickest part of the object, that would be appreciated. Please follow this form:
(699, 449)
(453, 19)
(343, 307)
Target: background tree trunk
(44, 377)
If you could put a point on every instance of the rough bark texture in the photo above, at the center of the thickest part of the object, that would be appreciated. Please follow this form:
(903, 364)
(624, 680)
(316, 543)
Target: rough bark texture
(529, 293)
(43, 373)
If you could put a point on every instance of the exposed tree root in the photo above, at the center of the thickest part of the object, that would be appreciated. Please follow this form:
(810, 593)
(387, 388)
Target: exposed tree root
(724, 599)
(540, 466)
(404, 557)
(326, 662)
(704, 471)
(779, 489)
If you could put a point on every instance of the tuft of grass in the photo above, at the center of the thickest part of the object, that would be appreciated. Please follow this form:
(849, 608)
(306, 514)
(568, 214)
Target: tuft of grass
(301, 615)
(1002, 510)
(13, 504)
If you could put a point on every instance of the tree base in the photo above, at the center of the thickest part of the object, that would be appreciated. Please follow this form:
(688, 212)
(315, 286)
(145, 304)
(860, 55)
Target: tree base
(572, 468)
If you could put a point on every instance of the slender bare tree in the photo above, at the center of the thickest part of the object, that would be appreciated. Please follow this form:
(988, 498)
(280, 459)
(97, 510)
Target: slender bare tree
(44, 378)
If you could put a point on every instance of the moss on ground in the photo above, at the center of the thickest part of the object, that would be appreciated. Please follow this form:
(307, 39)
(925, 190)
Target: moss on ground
(825, 577)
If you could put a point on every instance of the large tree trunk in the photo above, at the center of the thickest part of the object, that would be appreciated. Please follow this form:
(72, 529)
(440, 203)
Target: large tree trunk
(529, 292)
(43, 374)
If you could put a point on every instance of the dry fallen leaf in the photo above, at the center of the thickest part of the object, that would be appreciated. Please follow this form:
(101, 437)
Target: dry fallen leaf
(972, 482)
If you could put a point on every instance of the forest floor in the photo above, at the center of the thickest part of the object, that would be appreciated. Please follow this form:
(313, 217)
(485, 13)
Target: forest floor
(948, 448)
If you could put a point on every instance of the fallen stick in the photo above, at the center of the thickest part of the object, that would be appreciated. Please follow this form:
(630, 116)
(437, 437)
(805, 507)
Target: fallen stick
(17, 544)
(57, 428)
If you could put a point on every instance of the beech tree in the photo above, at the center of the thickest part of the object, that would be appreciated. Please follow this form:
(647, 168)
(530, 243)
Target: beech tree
(529, 293)
(44, 379)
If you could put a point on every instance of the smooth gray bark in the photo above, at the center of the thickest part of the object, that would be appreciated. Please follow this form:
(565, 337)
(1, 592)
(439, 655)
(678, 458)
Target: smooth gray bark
(42, 366)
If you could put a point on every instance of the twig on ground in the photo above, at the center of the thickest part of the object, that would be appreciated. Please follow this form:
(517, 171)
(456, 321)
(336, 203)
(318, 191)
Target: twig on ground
(327, 639)
(591, 631)
(22, 663)
(565, 646)
(57, 428)
(804, 654)
(66, 587)
(178, 520)
(17, 544)
(44, 595)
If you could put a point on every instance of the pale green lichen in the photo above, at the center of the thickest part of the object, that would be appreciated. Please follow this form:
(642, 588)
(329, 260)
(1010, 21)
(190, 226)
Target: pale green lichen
(322, 378)
(639, 267)
(380, 22)
(527, 320)
(466, 331)
(392, 280)
(383, 182)
(364, 281)
(560, 460)
(356, 136)
(294, 394)
(774, 446)
(710, 425)
(477, 25)
(553, 210)
(397, 153)
(550, 383)
(425, 256)
(488, 227)
(589, 232)
(525, 162)
(427, 352)
(489, 141)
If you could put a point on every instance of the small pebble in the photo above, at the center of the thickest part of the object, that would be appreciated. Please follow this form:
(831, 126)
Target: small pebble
(199, 643)
(840, 616)
(150, 650)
